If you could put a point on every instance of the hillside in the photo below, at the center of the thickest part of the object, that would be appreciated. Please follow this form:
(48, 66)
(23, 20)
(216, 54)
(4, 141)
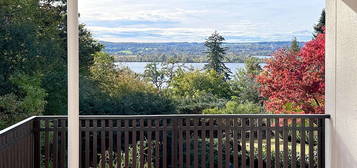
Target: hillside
(187, 52)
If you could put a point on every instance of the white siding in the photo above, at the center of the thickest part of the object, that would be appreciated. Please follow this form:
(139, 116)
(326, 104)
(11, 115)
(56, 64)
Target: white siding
(341, 81)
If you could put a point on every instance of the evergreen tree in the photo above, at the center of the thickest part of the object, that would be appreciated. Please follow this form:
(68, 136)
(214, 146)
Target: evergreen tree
(216, 54)
(319, 28)
(244, 84)
(294, 47)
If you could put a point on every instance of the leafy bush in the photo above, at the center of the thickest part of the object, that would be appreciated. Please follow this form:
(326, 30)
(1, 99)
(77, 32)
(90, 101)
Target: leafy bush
(233, 107)
(96, 102)
(195, 105)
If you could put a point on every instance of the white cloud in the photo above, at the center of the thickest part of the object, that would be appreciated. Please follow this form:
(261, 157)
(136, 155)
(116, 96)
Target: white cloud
(193, 20)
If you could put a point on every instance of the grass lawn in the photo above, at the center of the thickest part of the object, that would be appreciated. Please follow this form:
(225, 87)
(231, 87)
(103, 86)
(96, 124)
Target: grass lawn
(281, 146)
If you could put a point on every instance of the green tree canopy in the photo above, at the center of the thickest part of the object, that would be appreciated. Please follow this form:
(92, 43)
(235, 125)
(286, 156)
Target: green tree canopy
(118, 90)
(195, 83)
(33, 43)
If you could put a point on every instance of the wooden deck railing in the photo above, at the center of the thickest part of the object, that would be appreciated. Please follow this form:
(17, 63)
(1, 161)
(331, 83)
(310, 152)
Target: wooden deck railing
(18, 145)
(171, 141)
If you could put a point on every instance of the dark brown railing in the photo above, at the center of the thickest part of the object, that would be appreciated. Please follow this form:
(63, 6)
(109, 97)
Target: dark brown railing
(18, 145)
(171, 141)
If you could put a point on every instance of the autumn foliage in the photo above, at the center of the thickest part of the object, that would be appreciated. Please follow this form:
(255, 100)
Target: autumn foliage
(294, 82)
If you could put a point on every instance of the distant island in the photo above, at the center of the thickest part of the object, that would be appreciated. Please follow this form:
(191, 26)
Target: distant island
(187, 52)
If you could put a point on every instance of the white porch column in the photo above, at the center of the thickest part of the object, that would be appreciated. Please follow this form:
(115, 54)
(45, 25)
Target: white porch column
(341, 82)
(73, 84)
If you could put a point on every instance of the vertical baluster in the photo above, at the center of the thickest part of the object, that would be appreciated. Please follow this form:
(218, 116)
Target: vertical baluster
(321, 143)
(149, 134)
(293, 144)
(64, 144)
(119, 152)
(302, 143)
(25, 153)
(126, 142)
(211, 141)
(277, 143)
(102, 140)
(244, 151)
(235, 142)
(9, 152)
(134, 143)
(95, 143)
(180, 143)
(33, 146)
(47, 146)
(260, 143)
(311, 143)
(66, 141)
(7, 161)
(19, 150)
(285, 137)
(13, 150)
(195, 145)
(188, 143)
(2, 159)
(87, 151)
(268, 133)
(80, 144)
(27, 146)
(157, 145)
(55, 144)
(227, 144)
(219, 124)
(110, 143)
(164, 137)
(174, 148)
(142, 127)
(203, 148)
(251, 142)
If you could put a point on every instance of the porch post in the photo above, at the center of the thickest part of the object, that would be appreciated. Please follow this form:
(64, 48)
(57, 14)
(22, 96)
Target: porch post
(73, 84)
(341, 83)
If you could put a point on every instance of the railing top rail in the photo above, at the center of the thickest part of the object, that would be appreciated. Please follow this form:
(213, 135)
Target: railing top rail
(321, 116)
(17, 125)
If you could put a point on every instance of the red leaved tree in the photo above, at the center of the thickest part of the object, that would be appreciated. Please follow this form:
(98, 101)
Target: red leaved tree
(294, 82)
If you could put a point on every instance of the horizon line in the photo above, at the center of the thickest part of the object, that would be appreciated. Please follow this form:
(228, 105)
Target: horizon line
(195, 42)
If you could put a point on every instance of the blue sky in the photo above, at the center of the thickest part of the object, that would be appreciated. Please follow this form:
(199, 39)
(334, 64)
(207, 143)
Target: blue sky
(194, 20)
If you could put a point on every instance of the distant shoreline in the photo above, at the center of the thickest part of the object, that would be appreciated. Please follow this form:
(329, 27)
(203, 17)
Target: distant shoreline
(261, 60)
(188, 52)
(175, 62)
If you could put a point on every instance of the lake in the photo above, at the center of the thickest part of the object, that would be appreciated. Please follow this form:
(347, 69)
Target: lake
(139, 67)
